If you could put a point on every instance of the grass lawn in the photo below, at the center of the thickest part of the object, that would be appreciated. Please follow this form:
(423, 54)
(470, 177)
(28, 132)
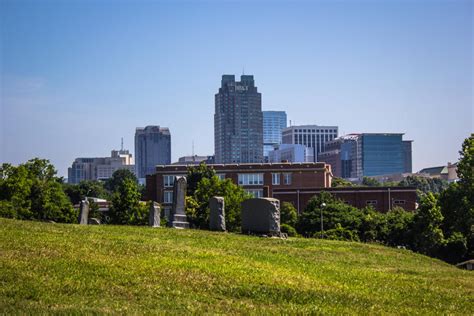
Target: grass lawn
(107, 269)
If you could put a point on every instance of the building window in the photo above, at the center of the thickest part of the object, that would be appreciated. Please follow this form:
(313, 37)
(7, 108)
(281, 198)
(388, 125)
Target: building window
(287, 178)
(250, 178)
(221, 176)
(371, 202)
(168, 197)
(399, 202)
(168, 181)
(255, 193)
(275, 178)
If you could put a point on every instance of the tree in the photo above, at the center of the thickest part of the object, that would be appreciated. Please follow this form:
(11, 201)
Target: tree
(457, 205)
(428, 236)
(370, 182)
(196, 174)
(424, 185)
(288, 214)
(334, 212)
(126, 208)
(373, 225)
(33, 191)
(398, 227)
(78, 192)
(465, 168)
(341, 183)
(118, 177)
(197, 208)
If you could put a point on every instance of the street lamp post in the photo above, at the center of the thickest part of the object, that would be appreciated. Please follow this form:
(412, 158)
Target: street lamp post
(322, 225)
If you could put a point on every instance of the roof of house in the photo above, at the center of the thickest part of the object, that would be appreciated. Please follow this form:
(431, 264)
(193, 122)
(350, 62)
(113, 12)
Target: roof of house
(435, 170)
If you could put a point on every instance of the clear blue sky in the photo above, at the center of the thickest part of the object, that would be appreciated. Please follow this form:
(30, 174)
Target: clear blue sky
(76, 76)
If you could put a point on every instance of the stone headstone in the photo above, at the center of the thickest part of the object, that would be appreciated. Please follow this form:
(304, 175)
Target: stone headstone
(217, 214)
(154, 215)
(178, 215)
(93, 221)
(83, 212)
(261, 216)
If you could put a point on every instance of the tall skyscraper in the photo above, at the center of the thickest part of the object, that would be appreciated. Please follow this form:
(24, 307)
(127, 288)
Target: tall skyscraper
(238, 121)
(152, 147)
(273, 124)
(312, 136)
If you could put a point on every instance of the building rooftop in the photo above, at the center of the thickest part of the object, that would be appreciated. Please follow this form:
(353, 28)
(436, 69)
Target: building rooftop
(434, 170)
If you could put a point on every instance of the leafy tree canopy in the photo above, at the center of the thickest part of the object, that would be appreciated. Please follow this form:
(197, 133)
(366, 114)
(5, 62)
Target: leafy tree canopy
(33, 191)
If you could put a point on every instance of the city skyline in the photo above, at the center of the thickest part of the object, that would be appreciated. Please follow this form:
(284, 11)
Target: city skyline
(75, 90)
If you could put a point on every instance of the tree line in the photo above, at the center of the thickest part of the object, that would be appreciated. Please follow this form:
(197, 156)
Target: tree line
(442, 227)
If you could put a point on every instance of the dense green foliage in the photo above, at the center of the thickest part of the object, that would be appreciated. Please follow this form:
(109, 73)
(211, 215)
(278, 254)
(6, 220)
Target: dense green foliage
(196, 174)
(126, 208)
(288, 214)
(118, 177)
(71, 269)
(370, 182)
(33, 191)
(424, 185)
(340, 182)
(203, 184)
(197, 205)
(78, 192)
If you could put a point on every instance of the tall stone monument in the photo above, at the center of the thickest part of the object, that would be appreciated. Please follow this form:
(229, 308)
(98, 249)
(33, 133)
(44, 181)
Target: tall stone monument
(261, 216)
(83, 212)
(217, 214)
(178, 215)
(154, 215)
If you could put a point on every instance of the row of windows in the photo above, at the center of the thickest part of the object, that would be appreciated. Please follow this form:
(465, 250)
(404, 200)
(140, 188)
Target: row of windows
(250, 178)
(276, 178)
(315, 131)
(395, 202)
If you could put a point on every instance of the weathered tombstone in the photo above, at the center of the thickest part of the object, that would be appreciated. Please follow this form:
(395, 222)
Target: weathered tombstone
(261, 216)
(178, 216)
(93, 221)
(217, 214)
(83, 212)
(154, 215)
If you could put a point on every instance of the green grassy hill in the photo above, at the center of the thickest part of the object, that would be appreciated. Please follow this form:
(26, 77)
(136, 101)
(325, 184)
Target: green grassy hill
(69, 268)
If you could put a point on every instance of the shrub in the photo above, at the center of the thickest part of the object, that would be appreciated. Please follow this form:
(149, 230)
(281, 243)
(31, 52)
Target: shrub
(289, 230)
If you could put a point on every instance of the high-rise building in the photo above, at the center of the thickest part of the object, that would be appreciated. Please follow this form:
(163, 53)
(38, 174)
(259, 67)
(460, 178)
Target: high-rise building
(273, 124)
(152, 147)
(238, 121)
(368, 154)
(100, 168)
(312, 136)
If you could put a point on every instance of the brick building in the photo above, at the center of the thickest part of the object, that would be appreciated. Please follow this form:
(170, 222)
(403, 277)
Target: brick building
(291, 182)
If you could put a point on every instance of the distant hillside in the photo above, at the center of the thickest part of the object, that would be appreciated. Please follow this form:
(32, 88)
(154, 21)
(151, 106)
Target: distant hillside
(69, 268)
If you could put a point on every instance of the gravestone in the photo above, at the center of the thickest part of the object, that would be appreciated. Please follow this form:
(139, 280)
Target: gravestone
(154, 215)
(261, 216)
(217, 214)
(178, 216)
(93, 221)
(83, 212)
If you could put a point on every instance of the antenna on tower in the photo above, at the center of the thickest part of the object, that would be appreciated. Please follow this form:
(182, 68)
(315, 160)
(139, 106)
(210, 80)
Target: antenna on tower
(121, 145)
(193, 147)
(243, 70)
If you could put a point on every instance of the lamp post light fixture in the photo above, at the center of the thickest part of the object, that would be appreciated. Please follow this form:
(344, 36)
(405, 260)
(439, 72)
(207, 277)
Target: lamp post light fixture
(323, 205)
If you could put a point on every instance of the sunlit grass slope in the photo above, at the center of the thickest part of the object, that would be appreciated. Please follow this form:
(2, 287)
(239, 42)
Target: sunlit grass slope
(107, 269)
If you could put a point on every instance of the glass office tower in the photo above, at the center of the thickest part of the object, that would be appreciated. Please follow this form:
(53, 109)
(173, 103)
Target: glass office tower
(273, 124)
